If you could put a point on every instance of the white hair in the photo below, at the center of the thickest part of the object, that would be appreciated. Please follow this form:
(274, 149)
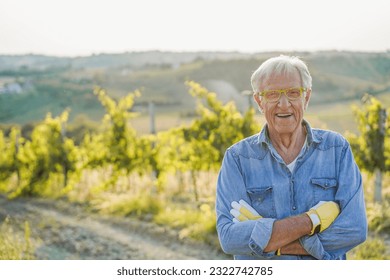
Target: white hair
(280, 65)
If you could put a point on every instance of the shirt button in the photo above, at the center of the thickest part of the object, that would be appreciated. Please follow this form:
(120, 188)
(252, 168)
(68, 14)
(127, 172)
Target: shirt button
(294, 208)
(253, 246)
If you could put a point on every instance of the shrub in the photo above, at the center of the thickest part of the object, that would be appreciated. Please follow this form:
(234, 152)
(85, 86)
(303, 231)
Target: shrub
(378, 216)
(372, 249)
(14, 246)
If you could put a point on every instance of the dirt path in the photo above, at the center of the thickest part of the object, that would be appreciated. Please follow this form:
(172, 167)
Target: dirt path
(64, 231)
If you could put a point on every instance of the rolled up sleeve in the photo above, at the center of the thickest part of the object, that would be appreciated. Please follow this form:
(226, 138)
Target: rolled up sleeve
(244, 238)
(260, 237)
(350, 227)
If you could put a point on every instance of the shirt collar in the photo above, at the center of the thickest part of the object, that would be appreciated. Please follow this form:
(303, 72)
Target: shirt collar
(311, 136)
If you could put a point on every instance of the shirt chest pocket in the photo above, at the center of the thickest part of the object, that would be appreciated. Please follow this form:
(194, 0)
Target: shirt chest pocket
(324, 188)
(262, 200)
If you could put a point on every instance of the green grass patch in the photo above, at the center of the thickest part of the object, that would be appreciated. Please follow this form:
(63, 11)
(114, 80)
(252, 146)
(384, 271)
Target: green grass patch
(379, 217)
(197, 223)
(373, 249)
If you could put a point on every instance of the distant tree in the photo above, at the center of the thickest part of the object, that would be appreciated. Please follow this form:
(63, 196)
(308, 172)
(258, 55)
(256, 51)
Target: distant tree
(369, 147)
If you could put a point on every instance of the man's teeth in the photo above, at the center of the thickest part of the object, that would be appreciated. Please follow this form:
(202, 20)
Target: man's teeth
(283, 115)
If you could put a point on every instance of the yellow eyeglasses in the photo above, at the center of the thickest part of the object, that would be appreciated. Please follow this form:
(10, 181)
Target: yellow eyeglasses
(274, 95)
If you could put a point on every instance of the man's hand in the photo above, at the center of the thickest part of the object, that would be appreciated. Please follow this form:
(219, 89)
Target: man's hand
(242, 211)
(322, 215)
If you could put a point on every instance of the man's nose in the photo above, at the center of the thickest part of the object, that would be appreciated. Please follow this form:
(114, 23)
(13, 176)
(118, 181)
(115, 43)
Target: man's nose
(283, 101)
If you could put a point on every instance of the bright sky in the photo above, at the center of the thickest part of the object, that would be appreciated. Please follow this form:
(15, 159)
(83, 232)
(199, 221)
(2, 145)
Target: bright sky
(83, 27)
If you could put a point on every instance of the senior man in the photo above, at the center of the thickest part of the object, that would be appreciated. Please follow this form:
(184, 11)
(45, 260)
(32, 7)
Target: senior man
(291, 191)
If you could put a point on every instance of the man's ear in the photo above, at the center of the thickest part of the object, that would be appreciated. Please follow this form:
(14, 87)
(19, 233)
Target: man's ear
(258, 100)
(307, 98)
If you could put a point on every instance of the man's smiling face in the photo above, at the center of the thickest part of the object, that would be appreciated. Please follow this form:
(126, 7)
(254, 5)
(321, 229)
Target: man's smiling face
(283, 116)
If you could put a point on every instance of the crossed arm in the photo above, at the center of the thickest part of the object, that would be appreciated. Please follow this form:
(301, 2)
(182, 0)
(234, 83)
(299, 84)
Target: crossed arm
(285, 235)
(286, 232)
(291, 235)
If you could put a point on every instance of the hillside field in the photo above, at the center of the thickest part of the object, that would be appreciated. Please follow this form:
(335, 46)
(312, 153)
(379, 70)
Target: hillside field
(54, 84)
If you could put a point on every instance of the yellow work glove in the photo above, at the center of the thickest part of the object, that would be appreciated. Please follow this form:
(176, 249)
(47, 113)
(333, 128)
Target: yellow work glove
(242, 211)
(322, 215)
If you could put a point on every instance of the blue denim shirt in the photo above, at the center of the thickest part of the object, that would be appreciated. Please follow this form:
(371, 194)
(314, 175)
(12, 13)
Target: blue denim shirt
(252, 170)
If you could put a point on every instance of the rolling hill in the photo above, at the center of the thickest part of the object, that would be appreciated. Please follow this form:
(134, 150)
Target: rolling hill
(56, 83)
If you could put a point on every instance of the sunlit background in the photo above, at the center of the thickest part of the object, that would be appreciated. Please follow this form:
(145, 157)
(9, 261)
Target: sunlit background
(73, 27)
(106, 151)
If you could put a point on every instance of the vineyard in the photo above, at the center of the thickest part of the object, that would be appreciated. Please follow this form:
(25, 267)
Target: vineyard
(165, 178)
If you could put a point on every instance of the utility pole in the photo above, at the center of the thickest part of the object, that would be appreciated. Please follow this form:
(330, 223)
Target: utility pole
(378, 175)
(152, 118)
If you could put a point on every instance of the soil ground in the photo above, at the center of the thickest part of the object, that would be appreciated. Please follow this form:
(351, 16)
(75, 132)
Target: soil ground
(61, 231)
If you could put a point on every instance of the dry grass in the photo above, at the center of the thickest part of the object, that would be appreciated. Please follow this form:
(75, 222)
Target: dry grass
(163, 122)
(15, 245)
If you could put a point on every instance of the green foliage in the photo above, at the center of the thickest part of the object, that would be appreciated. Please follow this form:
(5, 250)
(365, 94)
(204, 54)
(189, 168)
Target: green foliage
(94, 150)
(48, 152)
(14, 246)
(49, 159)
(201, 145)
(45, 157)
(220, 124)
(118, 136)
(117, 145)
(369, 147)
(9, 162)
(150, 149)
(372, 249)
(379, 217)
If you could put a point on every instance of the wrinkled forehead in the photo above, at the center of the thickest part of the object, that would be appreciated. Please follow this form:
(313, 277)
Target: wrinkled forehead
(281, 80)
